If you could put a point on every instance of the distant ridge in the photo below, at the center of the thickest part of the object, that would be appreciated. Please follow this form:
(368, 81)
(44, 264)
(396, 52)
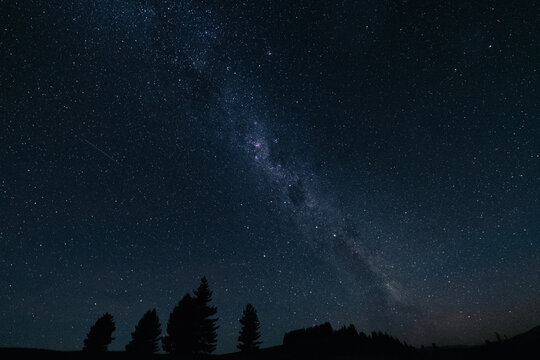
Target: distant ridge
(528, 336)
(532, 335)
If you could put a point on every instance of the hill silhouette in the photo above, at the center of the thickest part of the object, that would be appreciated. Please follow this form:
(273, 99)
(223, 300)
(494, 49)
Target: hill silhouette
(527, 337)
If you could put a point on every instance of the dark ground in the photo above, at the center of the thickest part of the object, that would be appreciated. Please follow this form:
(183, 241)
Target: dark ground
(523, 346)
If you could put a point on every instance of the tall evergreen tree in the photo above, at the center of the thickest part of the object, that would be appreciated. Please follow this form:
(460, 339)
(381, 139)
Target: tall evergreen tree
(183, 329)
(208, 336)
(249, 334)
(146, 336)
(100, 335)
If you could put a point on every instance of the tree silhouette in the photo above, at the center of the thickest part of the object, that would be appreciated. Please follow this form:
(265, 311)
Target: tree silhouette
(191, 329)
(322, 342)
(249, 334)
(100, 335)
(182, 329)
(207, 325)
(146, 336)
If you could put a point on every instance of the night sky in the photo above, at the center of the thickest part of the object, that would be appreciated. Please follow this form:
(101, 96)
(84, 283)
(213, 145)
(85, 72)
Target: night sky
(366, 162)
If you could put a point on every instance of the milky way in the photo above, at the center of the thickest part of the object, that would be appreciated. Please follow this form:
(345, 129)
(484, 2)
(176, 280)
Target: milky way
(325, 229)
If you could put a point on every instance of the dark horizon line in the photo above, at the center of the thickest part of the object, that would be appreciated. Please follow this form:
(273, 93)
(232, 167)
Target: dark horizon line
(450, 346)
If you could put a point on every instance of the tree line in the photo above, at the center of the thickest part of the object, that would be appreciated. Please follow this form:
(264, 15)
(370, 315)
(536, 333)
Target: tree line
(323, 342)
(191, 329)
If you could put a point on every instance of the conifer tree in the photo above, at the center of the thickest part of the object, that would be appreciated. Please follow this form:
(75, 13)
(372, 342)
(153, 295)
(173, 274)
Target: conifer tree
(100, 335)
(249, 334)
(147, 334)
(207, 336)
(183, 329)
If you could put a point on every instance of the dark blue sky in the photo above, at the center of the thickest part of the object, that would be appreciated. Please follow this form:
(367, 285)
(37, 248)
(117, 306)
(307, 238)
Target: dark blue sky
(366, 162)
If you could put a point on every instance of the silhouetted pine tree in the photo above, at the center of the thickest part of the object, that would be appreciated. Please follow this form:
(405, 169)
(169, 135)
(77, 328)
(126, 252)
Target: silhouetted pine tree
(249, 334)
(207, 336)
(183, 329)
(100, 335)
(146, 336)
